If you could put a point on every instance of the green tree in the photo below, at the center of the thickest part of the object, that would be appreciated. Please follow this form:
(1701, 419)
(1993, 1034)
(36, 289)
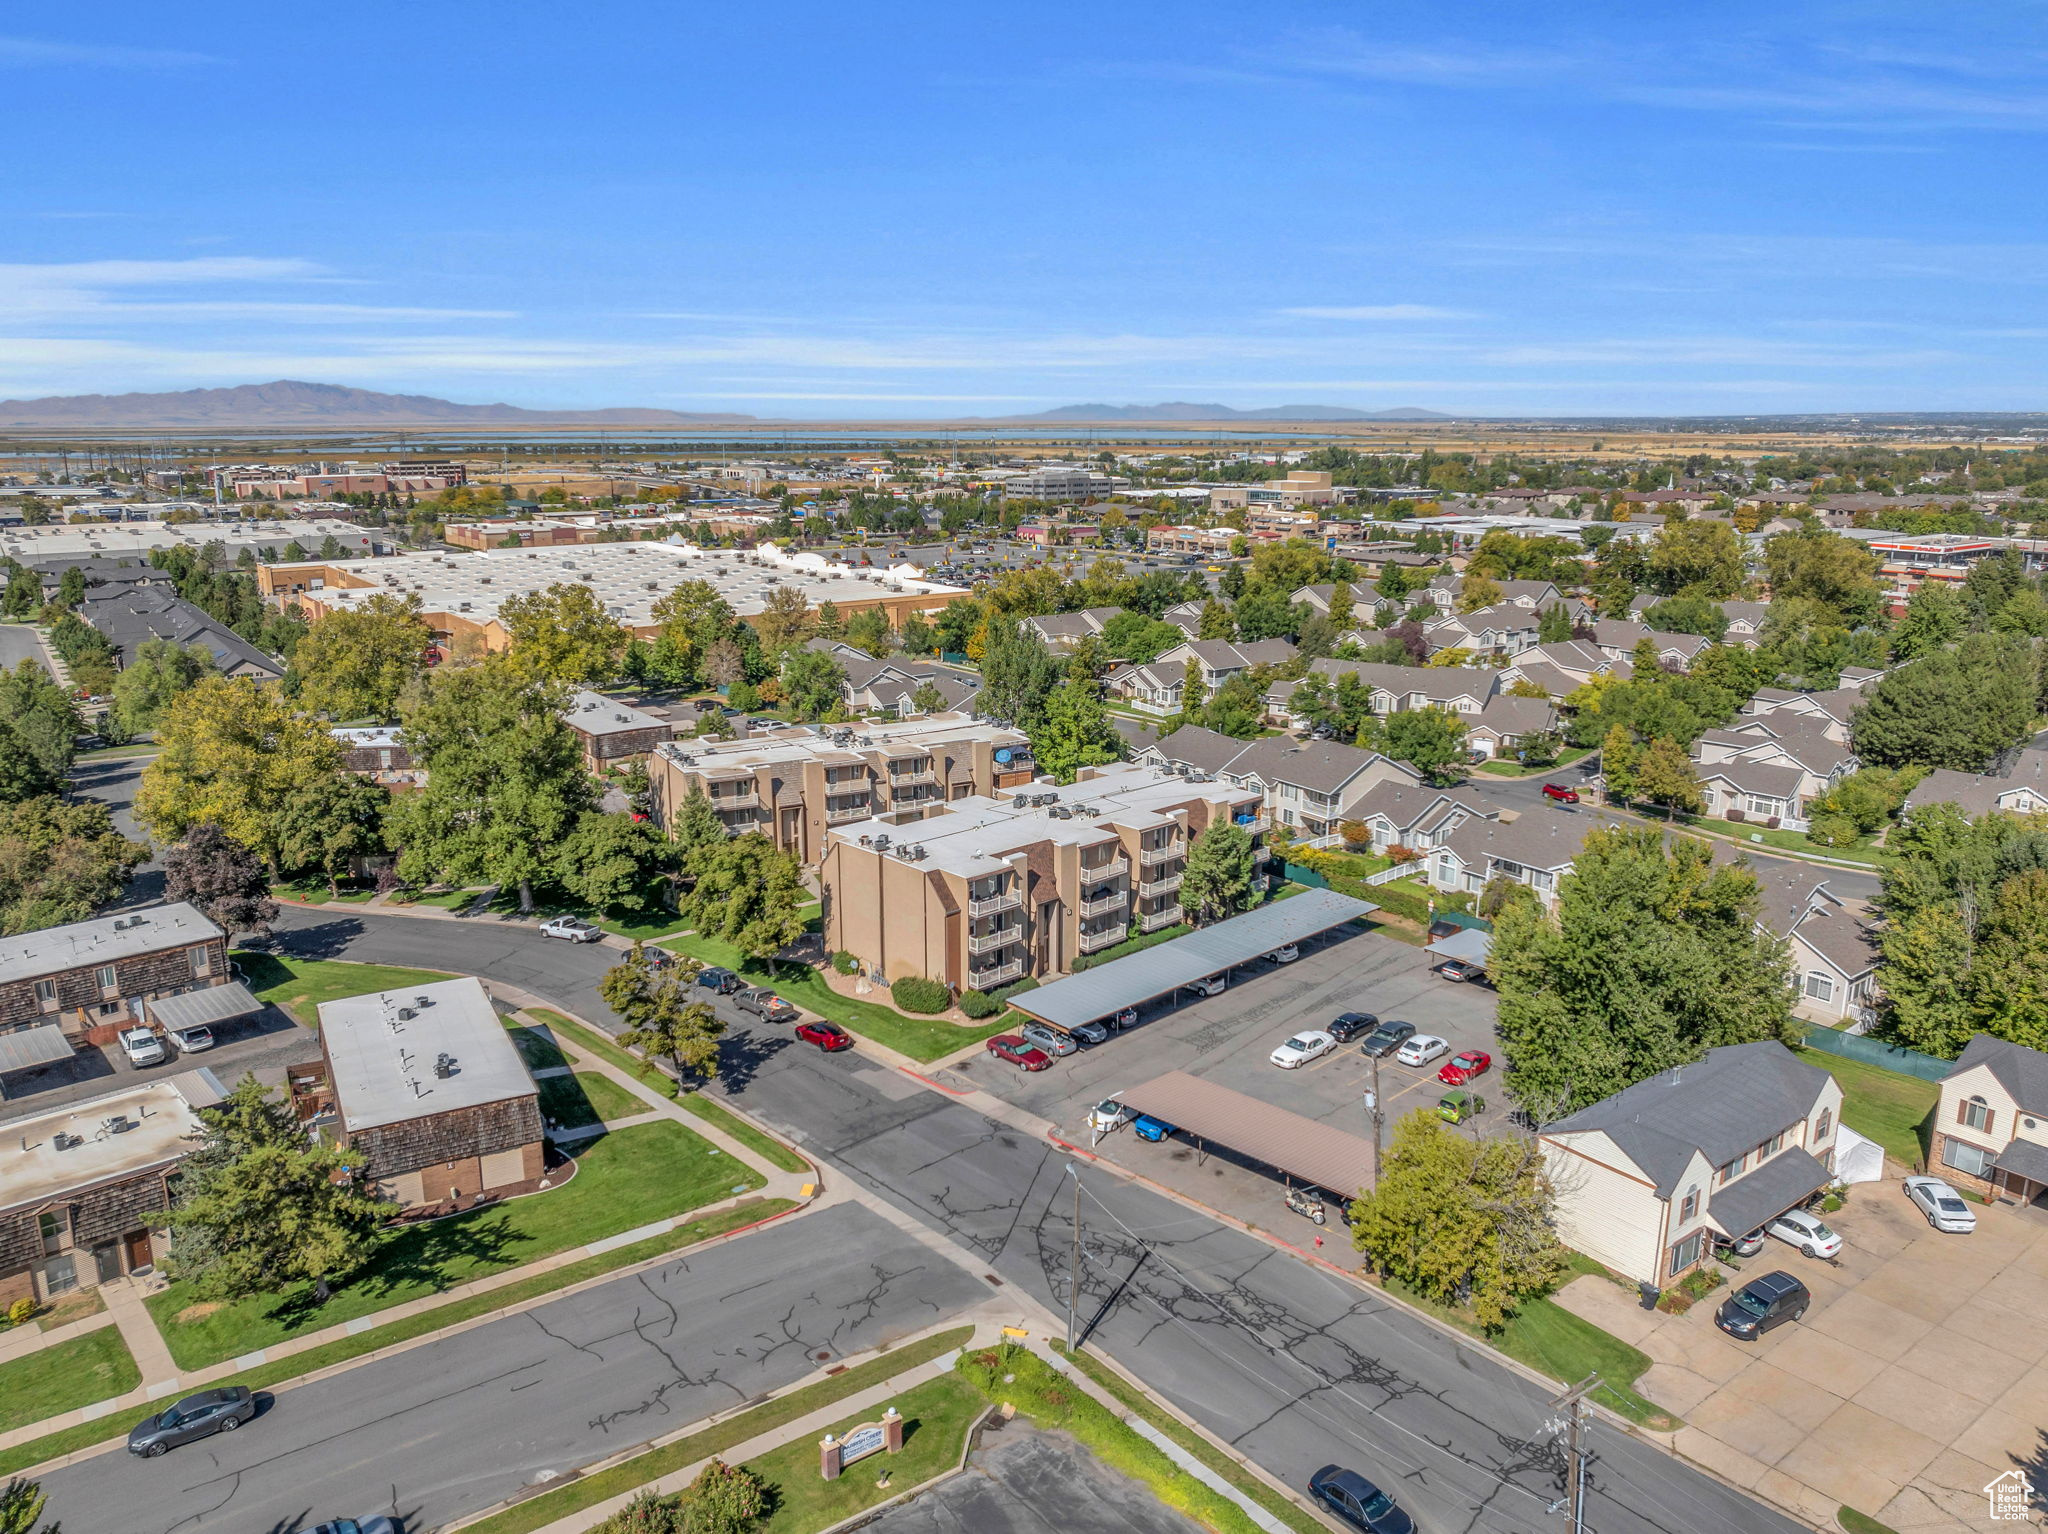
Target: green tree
(869, 630)
(1934, 619)
(1431, 740)
(1477, 591)
(695, 825)
(1653, 957)
(927, 699)
(1018, 673)
(747, 892)
(918, 636)
(1216, 621)
(1702, 558)
(661, 1015)
(1217, 881)
(694, 619)
(723, 1499)
(1665, 775)
(60, 862)
(1136, 637)
(1553, 625)
(613, 862)
(814, 683)
(261, 1207)
(1838, 573)
(21, 1505)
(1461, 1220)
(330, 822)
(1953, 708)
(1075, 732)
(23, 774)
(1619, 758)
(785, 621)
(158, 670)
(563, 635)
(1688, 614)
(356, 661)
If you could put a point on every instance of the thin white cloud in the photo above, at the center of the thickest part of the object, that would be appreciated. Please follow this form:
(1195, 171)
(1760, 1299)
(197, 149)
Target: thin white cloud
(94, 290)
(31, 52)
(1379, 312)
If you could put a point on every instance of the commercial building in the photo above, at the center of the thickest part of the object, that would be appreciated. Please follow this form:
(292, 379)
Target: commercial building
(85, 982)
(131, 543)
(796, 784)
(87, 1182)
(460, 594)
(987, 890)
(1059, 482)
(426, 1083)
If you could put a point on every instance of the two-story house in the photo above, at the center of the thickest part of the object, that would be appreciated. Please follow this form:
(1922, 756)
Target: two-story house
(2019, 788)
(611, 733)
(1156, 687)
(81, 984)
(1417, 817)
(1831, 939)
(1536, 848)
(1310, 787)
(1991, 1125)
(1771, 767)
(1646, 1180)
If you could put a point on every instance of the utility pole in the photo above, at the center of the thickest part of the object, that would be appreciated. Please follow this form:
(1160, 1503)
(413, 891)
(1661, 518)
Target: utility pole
(1074, 1274)
(1572, 1402)
(1372, 1103)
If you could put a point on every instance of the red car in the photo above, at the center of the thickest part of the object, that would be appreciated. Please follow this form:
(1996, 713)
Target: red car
(1560, 793)
(1473, 1062)
(1007, 1046)
(829, 1037)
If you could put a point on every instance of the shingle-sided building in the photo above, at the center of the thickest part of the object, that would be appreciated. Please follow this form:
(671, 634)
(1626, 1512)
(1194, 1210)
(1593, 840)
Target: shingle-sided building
(612, 733)
(1645, 1179)
(86, 981)
(428, 1085)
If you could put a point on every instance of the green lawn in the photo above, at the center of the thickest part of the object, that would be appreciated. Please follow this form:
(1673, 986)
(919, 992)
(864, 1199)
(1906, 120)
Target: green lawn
(936, 1417)
(447, 900)
(24, 1456)
(300, 985)
(1517, 770)
(630, 1178)
(65, 1376)
(617, 1480)
(1859, 1523)
(586, 1098)
(540, 1052)
(655, 920)
(769, 1149)
(922, 1038)
(1894, 1110)
(597, 1042)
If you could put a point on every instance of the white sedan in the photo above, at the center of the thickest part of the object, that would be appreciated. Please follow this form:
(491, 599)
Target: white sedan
(1943, 1206)
(1213, 986)
(1302, 1048)
(1107, 1115)
(1808, 1232)
(1422, 1049)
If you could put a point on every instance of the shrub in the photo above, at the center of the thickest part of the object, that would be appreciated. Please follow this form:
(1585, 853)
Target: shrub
(19, 1313)
(845, 963)
(1674, 1302)
(979, 1004)
(1832, 831)
(647, 1513)
(744, 695)
(1015, 988)
(1735, 814)
(914, 993)
(1356, 833)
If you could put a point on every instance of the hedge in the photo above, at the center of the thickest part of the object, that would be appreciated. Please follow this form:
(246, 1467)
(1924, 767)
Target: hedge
(845, 962)
(979, 1004)
(914, 993)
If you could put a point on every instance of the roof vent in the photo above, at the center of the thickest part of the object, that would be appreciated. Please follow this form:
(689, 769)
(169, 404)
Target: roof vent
(444, 1065)
(406, 1014)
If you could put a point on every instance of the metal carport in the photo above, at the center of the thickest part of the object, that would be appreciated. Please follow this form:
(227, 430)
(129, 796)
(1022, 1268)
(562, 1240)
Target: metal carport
(213, 1004)
(1165, 968)
(1317, 1153)
(1467, 943)
(26, 1048)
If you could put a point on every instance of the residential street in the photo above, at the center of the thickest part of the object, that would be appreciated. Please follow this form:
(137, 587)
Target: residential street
(1296, 1366)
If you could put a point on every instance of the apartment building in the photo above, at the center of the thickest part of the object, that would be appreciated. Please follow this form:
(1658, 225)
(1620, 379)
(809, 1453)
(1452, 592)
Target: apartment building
(988, 890)
(798, 783)
(84, 982)
(612, 733)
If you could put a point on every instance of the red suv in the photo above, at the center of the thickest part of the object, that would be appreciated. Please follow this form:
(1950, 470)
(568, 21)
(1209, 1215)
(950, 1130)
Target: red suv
(1007, 1046)
(1560, 793)
(829, 1037)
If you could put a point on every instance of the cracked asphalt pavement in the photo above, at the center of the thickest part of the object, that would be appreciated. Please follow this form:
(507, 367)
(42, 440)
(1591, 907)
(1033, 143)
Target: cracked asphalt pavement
(1294, 1365)
(458, 1424)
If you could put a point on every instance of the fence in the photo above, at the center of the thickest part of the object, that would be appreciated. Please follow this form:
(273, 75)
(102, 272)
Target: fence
(1890, 1057)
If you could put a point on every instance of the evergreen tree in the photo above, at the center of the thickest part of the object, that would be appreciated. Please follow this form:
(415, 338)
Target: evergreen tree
(1075, 731)
(1217, 881)
(1553, 625)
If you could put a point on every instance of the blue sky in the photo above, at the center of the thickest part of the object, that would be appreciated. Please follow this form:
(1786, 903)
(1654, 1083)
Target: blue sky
(906, 210)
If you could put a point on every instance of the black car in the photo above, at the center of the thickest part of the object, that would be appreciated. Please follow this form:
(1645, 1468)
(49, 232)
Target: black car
(1358, 1502)
(1346, 1026)
(1762, 1303)
(722, 982)
(1387, 1038)
(197, 1416)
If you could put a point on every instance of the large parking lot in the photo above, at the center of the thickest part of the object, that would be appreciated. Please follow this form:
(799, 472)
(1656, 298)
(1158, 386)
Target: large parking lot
(1227, 1039)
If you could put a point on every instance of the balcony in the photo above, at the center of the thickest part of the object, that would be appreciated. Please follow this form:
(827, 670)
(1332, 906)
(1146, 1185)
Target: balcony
(1152, 921)
(996, 974)
(1105, 903)
(1115, 868)
(1108, 937)
(989, 942)
(1163, 884)
(1154, 855)
(924, 774)
(1254, 825)
(837, 813)
(990, 904)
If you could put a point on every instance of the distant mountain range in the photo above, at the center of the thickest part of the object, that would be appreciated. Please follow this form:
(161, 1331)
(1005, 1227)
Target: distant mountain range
(289, 402)
(1182, 410)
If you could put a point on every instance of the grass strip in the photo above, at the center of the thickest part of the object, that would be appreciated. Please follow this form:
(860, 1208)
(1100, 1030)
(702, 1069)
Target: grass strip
(1052, 1402)
(585, 1098)
(629, 1475)
(70, 1440)
(768, 1148)
(599, 1043)
(936, 1417)
(1135, 1402)
(1860, 1523)
(66, 1376)
(301, 985)
(540, 1052)
(1893, 1109)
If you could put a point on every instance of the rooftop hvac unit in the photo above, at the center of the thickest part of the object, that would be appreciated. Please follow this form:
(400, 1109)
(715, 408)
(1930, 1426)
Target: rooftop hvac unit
(1020, 801)
(918, 852)
(881, 844)
(1061, 812)
(406, 1014)
(423, 1001)
(444, 1065)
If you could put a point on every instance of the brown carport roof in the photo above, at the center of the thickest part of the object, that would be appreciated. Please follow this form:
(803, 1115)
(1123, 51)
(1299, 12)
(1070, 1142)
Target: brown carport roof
(1317, 1153)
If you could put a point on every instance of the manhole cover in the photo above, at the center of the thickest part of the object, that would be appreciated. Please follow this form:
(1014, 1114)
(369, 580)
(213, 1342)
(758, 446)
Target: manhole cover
(821, 1357)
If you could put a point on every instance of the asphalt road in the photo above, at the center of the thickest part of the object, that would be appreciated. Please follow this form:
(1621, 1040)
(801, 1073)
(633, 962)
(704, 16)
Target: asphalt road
(17, 644)
(1294, 1365)
(1022, 1481)
(458, 1424)
(113, 780)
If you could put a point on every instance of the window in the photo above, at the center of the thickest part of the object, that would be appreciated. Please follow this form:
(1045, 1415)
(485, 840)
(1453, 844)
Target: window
(60, 1275)
(1728, 1170)
(1687, 1252)
(1819, 987)
(105, 976)
(46, 994)
(51, 1226)
(1690, 1208)
(1965, 1158)
(1823, 1124)
(1977, 1114)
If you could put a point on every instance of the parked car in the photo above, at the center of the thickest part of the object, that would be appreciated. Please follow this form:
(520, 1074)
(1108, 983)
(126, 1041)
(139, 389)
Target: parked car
(1146, 1127)
(373, 1525)
(1089, 1033)
(1107, 1115)
(1562, 793)
(1286, 953)
(191, 1040)
(1766, 1301)
(1741, 1246)
(829, 1037)
(1473, 1062)
(1358, 1502)
(1422, 1049)
(1458, 971)
(1008, 1046)
(1213, 986)
(759, 1001)
(1051, 1040)
(1312, 1044)
(722, 982)
(1346, 1026)
(197, 1416)
(574, 928)
(1808, 1232)
(1458, 1105)
(143, 1047)
(1943, 1206)
(1387, 1038)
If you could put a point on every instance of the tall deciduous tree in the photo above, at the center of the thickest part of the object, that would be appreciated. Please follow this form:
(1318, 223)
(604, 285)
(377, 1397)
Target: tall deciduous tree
(1653, 957)
(330, 822)
(1701, 557)
(1217, 881)
(1018, 673)
(785, 621)
(564, 635)
(1838, 573)
(1665, 776)
(747, 892)
(1461, 1220)
(354, 662)
(21, 1505)
(614, 862)
(869, 630)
(1431, 740)
(60, 862)
(158, 671)
(814, 683)
(219, 876)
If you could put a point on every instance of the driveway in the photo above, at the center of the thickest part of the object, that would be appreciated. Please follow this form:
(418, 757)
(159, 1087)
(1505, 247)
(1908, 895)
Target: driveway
(1919, 1374)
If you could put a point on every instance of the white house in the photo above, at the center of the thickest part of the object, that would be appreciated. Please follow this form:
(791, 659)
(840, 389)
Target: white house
(1991, 1125)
